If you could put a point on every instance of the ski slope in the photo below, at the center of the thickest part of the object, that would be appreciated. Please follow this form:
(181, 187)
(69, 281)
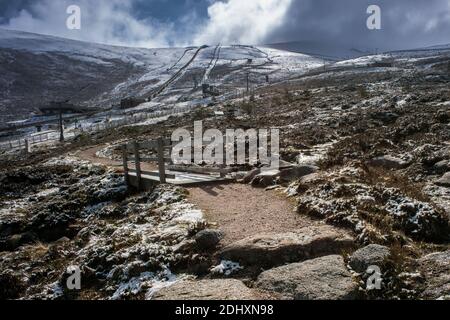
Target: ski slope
(37, 69)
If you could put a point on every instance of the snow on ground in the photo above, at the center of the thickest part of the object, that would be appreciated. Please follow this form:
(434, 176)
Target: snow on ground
(88, 51)
(226, 268)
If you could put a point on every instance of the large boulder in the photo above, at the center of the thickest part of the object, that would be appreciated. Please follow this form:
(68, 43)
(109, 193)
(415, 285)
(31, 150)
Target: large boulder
(324, 278)
(219, 289)
(372, 255)
(272, 249)
(435, 268)
(389, 162)
(444, 181)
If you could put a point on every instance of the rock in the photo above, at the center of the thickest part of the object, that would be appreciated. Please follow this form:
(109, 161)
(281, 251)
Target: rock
(436, 269)
(442, 166)
(11, 285)
(385, 117)
(136, 268)
(444, 181)
(371, 255)
(389, 162)
(51, 226)
(324, 278)
(208, 239)
(297, 172)
(310, 178)
(239, 176)
(223, 289)
(184, 246)
(443, 116)
(11, 225)
(266, 178)
(285, 165)
(15, 241)
(250, 176)
(273, 249)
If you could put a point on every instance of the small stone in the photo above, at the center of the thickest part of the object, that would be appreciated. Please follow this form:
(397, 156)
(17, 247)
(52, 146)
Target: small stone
(11, 285)
(266, 178)
(372, 255)
(250, 176)
(184, 246)
(444, 181)
(436, 269)
(389, 162)
(208, 239)
(297, 172)
(442, 166)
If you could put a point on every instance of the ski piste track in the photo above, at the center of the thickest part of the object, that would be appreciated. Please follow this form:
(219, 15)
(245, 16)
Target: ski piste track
(164, 86)
(181, 58)
(212, 64)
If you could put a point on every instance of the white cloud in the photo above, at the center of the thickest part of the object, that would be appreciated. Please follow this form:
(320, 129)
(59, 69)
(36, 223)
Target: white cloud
(104, 21)
(406, 23)
(113, 22)
(238, 21)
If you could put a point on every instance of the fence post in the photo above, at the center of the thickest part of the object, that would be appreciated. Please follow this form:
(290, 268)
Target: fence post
(27, 146)
(125, 164)
(161, 161)
(137, 160)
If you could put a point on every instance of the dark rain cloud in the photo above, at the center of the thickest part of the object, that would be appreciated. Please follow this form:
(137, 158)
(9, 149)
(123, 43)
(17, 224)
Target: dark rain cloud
(405, 23)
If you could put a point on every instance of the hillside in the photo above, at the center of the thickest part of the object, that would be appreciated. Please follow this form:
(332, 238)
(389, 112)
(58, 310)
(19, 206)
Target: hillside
(37, 69)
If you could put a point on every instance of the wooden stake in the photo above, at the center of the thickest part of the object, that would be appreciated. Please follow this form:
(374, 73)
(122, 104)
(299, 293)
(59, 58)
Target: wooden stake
(161, 162)
(137, 159)
(125, 165)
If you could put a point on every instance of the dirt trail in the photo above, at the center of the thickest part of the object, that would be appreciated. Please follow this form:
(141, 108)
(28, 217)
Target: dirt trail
(90, 155)
(238, 210)
(241, 211)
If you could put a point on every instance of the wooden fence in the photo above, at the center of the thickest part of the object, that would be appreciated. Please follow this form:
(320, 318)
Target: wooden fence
(134, 148)
(127, 120)
(162, 149)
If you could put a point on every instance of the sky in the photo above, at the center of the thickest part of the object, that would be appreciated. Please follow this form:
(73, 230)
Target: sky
(162, 23)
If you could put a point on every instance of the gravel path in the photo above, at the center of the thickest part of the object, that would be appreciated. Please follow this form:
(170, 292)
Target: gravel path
(90, 155)
(241, 211)
(238, 210)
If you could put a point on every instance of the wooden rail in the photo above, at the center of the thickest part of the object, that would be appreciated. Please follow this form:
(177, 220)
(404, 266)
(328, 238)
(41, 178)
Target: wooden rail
(167, 171)
(135, 147)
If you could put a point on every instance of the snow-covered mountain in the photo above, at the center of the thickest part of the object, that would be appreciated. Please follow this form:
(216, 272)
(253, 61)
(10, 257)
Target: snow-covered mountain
(37, 69)
(331, 52)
